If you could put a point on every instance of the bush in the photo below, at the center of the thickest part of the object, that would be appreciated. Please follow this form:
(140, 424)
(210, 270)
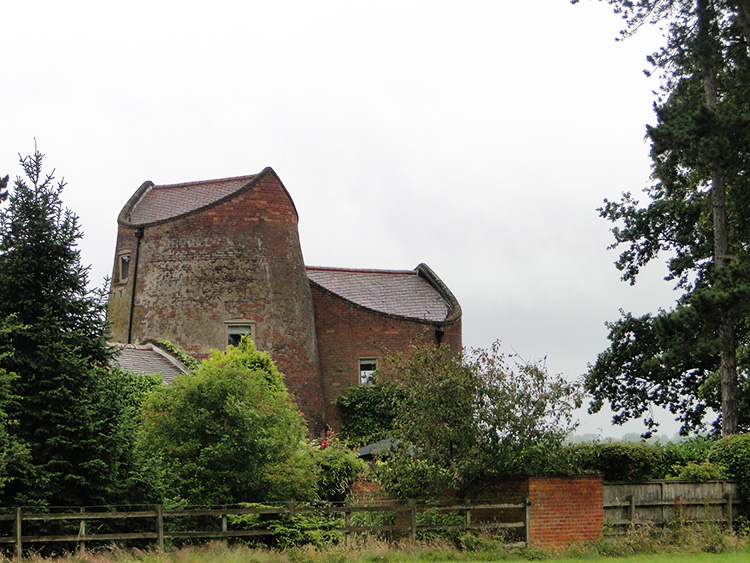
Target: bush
(693, 450)
(467, 419)
(367, 413)
(616, 461)
(229, 433)
(733, 452)
(338, 466)
(698, 472)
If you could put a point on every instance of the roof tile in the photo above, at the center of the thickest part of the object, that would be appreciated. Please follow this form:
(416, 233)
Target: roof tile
(164, 202)
(403, 293)
(146, 359)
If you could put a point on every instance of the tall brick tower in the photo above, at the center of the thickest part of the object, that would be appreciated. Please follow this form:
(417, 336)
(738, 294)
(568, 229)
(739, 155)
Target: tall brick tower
(202, 263)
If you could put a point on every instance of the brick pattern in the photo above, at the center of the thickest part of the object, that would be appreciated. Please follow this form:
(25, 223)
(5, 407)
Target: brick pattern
(565, 510)
(240, 259)
(347, 333)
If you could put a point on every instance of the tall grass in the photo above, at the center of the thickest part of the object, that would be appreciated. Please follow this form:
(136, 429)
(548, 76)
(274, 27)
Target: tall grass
(644, 541)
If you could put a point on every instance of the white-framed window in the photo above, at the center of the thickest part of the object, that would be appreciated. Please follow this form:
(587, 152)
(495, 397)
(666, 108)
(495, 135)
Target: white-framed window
(123, 264)
(237, 329)
(367, 367)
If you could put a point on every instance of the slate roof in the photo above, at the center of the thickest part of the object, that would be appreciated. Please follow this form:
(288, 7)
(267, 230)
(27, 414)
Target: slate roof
(148, 359)
(402, 293)
(160, 203)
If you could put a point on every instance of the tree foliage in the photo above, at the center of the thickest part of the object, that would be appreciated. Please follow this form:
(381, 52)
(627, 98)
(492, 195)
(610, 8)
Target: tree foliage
(464, 420)
(697, 215)
(59, 400)
(367, 412)
(228, 433)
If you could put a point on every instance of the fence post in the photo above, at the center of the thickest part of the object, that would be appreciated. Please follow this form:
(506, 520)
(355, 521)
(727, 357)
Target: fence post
(347, 523)
(467, 522)
(19, 546)
(631, 511)
(160, 528)
(730, 515)
(412, 520)
(82, 531)
(527, 520)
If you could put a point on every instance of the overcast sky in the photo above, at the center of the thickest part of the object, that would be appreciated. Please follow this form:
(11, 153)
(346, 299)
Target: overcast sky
(476, 136)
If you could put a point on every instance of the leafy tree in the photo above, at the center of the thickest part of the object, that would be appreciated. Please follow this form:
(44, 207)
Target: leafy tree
(698, 215)
(228, 433)
(60, 398)
(464, 420)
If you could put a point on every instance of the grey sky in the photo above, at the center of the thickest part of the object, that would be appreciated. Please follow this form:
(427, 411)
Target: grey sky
(478, 137)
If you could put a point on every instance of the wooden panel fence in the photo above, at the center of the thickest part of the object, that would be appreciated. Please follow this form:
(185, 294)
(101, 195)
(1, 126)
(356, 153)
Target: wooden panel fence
(657, 503)
(403, 520)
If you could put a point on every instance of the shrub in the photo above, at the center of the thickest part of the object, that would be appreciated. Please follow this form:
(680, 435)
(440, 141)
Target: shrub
(466, 419)
(681, 453)
(338, 466)
(733, 452)
(367, 413)
(617, 461)
(698, 472)
(229, 433)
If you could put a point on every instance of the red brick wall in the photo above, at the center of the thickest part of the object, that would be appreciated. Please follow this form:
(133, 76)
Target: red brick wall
(240, 259)
(347, 333)
(565, 510)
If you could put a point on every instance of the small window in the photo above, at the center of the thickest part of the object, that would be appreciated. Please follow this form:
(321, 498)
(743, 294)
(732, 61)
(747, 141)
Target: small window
(124, 268)
(235, 332)
(367, 367)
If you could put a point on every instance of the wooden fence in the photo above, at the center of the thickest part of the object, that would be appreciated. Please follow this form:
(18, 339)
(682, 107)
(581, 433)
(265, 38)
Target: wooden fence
(659, 502)
(402, 520)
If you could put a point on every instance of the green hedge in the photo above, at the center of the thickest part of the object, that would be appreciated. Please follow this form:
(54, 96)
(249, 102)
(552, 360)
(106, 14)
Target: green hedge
(733, 452)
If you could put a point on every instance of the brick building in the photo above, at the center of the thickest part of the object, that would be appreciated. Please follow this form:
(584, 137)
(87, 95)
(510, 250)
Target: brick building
(202, 263)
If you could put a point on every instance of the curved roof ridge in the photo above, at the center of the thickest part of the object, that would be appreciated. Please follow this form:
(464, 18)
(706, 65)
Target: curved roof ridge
(246, 177)
(362, 270)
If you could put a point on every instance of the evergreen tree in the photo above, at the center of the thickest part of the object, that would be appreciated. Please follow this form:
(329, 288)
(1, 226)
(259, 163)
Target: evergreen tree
(56, 354)
(686, 358)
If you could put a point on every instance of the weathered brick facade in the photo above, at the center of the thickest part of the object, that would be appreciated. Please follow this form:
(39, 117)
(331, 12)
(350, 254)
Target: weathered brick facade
(211, 258)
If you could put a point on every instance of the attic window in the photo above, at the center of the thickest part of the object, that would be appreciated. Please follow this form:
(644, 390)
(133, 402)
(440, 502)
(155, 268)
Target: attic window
(236, 330)
(124, 268)
(367, 367)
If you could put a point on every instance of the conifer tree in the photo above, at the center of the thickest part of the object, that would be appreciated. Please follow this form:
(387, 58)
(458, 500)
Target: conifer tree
(55, 353)
(698, 214)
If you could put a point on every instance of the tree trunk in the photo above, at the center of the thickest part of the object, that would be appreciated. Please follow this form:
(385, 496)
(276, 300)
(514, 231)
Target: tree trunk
(744, 16)
(729, 413)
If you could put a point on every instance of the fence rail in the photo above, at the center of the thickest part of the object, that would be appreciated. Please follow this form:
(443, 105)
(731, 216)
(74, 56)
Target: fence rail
(405, 521)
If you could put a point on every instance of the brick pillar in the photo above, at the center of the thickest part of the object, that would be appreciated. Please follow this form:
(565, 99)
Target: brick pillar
(565, 510)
